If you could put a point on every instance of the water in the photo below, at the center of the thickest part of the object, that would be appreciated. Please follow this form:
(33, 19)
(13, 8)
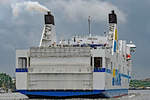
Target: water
(133, 95)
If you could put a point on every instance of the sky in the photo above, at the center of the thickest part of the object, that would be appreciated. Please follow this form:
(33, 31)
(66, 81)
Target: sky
(21, 27)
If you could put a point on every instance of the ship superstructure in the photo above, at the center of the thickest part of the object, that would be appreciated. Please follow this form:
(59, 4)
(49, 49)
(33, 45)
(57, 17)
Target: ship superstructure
(86, 67)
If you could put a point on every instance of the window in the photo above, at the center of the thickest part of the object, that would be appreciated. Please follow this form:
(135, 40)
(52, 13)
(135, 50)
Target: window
(29, 61)
(111, 66)
(91, 62)
(98, 62)
(22, 62)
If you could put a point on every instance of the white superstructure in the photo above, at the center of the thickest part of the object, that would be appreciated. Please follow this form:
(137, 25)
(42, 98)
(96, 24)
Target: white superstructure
(90, 66)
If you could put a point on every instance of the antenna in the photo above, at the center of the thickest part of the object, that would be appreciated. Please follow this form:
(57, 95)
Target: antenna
(89, 22)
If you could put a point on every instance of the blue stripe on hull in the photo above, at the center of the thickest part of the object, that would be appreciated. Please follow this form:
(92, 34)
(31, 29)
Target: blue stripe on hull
(75, 93)
(59, 93)
(21, 70)
(99, 69)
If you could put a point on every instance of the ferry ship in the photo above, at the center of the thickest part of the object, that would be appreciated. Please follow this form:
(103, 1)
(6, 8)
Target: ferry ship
(83, 67)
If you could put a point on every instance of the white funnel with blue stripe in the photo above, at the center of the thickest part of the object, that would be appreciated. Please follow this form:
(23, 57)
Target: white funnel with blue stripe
(113, 31)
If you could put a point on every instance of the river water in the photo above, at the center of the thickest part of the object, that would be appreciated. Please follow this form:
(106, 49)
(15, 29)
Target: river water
(133, 95)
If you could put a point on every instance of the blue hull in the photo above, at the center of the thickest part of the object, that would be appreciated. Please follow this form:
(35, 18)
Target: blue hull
(74, 93)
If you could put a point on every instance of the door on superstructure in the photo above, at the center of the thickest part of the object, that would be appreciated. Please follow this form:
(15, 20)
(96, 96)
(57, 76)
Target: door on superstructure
(97, 62)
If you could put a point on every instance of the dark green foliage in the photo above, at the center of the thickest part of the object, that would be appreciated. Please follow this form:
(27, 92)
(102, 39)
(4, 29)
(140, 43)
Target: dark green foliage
(6, 82)
(139, 83)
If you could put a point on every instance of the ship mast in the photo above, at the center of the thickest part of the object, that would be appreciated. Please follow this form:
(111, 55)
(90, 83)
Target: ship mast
(89, 23)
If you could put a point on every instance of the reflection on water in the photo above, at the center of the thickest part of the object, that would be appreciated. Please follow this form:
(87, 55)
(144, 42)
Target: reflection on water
(133, 95)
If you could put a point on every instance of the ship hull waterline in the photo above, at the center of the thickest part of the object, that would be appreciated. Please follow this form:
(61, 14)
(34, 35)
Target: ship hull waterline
(64, 94)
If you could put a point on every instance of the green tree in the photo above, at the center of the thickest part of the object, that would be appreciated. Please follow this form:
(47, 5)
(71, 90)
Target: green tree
(6, 81)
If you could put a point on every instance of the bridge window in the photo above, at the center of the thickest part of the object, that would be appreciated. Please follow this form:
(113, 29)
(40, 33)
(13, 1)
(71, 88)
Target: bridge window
(98, 62)
(22, 62)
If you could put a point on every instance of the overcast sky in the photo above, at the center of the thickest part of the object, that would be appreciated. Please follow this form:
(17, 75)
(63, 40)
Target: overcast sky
(24, 29)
